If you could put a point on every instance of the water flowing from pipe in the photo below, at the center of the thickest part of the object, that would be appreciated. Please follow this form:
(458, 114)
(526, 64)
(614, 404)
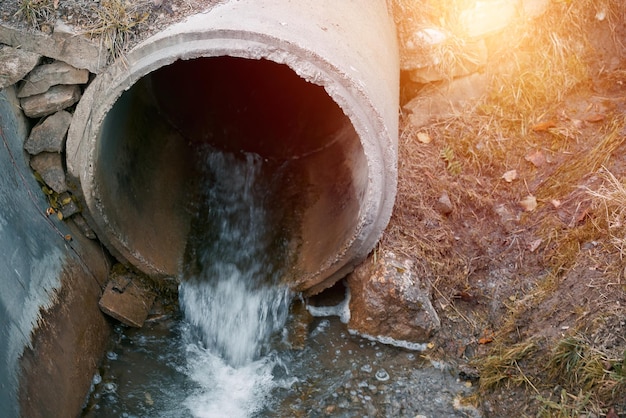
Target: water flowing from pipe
(231, 293)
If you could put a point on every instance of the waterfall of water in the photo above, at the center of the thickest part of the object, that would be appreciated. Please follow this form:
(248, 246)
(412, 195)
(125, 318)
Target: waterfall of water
(230, 292)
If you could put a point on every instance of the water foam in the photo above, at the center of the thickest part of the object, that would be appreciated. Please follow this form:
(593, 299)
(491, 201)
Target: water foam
(224, 390)
(342, 309)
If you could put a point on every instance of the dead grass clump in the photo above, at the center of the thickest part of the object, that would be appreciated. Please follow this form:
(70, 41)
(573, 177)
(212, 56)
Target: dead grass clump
(116, 25)
(544, 59)
(36, 12)
(418, 186)
(597, 379)
(502, 365)
(564, 243)
(610, 199)
(568, 176)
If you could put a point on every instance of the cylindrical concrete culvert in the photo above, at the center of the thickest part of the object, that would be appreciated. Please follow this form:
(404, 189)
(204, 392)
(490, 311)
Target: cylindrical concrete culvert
(311, 87)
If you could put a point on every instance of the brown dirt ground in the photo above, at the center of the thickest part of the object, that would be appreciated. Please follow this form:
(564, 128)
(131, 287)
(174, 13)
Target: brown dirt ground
(532, 302)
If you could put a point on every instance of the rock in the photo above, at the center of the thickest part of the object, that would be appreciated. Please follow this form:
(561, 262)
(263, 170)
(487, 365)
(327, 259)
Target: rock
(444, 204)
(49, 135)
(447, 100)
(470, 59)
(419, 42)
(69, 207)
(488, 17)
(45, 76)
(15, 64)
(50, 167)
(64, 45)
(426, 57)
(126, 300)
(53, 100)
(390, 299)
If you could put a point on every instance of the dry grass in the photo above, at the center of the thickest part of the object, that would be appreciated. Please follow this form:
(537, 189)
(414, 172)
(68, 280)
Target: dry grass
(568, 176)
(534, 67)
(116, 25)
(36, 12)
(610, 199)
(588, 376)
(502, 365)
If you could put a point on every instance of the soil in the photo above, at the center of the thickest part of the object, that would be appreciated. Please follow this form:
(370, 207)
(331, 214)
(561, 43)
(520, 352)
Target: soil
(514, 283)
(510, 275)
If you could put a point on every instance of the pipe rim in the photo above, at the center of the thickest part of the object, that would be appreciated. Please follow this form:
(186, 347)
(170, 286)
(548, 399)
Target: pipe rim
(349, 96)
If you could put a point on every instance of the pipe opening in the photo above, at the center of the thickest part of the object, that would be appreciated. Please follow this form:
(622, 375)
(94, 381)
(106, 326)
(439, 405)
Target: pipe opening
(147, 155)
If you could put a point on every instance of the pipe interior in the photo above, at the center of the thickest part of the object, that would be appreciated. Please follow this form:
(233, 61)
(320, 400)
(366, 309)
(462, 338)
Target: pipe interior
(144, 165)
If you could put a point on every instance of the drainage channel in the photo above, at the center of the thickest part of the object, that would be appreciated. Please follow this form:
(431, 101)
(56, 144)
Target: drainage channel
(237, 342)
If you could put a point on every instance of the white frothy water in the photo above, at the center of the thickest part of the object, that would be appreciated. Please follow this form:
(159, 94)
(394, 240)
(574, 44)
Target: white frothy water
(227, 391)
(231, 294)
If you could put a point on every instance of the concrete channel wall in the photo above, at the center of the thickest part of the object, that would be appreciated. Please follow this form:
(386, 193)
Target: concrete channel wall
(52, 334)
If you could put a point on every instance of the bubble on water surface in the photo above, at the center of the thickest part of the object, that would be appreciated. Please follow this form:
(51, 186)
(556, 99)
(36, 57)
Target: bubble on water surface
(382, 375)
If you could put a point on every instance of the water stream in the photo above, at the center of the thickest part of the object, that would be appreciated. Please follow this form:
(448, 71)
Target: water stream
(230, 349)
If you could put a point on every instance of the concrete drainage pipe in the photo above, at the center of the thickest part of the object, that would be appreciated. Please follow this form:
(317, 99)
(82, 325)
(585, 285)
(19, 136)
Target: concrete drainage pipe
(313, 84)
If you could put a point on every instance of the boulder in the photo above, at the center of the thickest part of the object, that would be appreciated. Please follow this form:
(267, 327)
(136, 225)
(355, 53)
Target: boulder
(53, 100)
(49, 135)
(430, 53)
(15, 64)
(390, 299)
(45, 76)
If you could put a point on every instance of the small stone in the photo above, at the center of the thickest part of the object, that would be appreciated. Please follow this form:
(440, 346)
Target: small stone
(444, 204)
(15, 64)
(382, 375)
(49, 135)
(468, 373)
(45, 76)
(68, 205)
(53, 100)
(126, 300)
(50, 167)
